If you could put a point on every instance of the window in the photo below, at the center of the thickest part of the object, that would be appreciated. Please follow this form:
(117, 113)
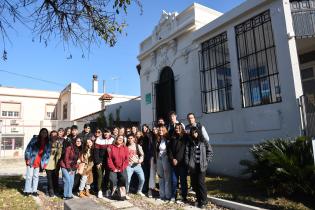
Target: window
(10, 110)
(50, 111)
(12, 143)
(257, 61)
(65, 111)
(215, 75)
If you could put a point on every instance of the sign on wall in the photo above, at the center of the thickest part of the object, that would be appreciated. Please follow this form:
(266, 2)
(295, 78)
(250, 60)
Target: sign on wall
(148, 98)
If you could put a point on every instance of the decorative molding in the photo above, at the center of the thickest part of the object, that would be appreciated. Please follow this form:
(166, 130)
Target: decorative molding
(166, 25)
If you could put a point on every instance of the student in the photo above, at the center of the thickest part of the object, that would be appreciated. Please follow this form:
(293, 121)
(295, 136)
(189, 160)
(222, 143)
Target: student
(67, 132)
(85, 169)
(148, 147)
(163, 164)
(135, 159)
(173, 121)
(160, 122)
(36, 156)
(86, 133)
(118, 161)
(176, 154)
(197, 155)
(115, 132)
(100, 160)
(154, 136)
(69, 165)
(192, 123)
(134, 129)
(51, 173)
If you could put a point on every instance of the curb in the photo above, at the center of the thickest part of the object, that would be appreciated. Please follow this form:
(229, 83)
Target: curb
(232, 204)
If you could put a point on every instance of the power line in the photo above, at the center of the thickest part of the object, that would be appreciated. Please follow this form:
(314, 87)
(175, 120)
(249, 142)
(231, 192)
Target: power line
(31, 77)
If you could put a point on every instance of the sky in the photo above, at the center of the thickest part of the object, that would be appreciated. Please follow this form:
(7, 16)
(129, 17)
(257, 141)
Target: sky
(116, 65)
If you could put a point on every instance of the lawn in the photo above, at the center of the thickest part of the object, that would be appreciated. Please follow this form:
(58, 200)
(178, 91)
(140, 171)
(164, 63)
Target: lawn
(11, 196)
(244, 191)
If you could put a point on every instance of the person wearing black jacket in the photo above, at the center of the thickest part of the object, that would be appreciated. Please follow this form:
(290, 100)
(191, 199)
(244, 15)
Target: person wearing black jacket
(176, 154)
(86, 134)
(197, 156)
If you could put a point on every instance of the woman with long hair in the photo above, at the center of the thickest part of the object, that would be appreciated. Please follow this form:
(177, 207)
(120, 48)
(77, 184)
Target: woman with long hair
(163, 164)
(36, 156)
(69, 165)
(197, 156)
(51, 172)
(85, 168)
(176, 154)
(118, 160)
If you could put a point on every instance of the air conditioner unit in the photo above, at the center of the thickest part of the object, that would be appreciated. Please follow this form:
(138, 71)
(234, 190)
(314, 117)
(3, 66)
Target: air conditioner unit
(14, 122)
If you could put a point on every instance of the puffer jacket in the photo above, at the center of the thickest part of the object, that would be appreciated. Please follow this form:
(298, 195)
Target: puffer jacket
(206, 154)
(31, 152)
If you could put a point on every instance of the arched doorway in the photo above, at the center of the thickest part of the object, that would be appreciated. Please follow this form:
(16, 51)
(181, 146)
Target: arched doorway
(165, 94)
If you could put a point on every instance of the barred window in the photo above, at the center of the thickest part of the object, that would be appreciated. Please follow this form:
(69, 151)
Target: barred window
(257, 61)
(215, 75)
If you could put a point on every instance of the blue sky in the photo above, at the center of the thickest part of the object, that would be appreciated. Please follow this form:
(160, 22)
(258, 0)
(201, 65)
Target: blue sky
(117, 65)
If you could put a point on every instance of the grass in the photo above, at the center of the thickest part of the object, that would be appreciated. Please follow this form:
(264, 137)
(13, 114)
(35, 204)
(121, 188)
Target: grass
(11, 196)
(244, 191)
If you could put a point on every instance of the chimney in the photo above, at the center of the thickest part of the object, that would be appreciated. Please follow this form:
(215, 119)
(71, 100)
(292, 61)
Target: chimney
(95, 84)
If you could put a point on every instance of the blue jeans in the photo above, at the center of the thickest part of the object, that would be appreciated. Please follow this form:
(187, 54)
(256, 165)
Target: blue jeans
(138, 170)
(31, 179)
(68, 179)
(179, 173)
(164, 173)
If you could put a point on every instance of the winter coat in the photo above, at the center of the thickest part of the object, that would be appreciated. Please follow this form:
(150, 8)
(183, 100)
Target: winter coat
(100, 150)
(55, 154)
(176, 149)
(118, 157)
(70, 158)
(32, 150)
(205, 154)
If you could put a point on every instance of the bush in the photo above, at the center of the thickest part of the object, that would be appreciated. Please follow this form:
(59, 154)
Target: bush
(283, 166)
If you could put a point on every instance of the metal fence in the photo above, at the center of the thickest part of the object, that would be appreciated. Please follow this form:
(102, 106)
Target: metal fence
(308, 115)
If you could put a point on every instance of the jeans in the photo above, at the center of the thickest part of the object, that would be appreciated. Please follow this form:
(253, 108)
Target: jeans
(83, 184)
(117, 179)
(52, 181)
(179, 173)
(138, 170)
(68, 179)
(31, 179)
(164, 173)
(152, 174)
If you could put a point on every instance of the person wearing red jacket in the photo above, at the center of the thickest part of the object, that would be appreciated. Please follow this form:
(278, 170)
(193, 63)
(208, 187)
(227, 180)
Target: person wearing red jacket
(69, 165)
(118, 156)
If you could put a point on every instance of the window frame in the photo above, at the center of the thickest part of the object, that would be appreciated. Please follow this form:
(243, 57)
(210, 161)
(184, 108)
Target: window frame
(256, 55)
(215, 75)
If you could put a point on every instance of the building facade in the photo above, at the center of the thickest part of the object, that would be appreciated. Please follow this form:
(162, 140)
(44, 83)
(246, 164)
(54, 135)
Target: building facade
(23, 112)
(248, 74)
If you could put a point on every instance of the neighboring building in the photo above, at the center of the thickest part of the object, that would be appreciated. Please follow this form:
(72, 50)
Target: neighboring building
(128, 112)
(24, 111)
(246, 74)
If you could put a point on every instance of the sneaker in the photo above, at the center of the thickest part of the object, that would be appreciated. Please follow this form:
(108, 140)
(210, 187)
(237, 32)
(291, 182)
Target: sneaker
(127, 197)
(172, 200)
(150, 193)
(201, 206)
(140, 193)
(27, 193)
(100, 194)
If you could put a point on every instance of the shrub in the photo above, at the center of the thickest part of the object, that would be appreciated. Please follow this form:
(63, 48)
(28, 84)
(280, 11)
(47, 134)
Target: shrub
(283, 166)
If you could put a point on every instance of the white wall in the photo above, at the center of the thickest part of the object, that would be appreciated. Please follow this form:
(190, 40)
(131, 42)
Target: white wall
(232, 132)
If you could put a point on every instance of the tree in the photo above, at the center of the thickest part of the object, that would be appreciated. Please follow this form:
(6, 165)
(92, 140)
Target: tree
(117, 121)
(110, 120)
(79, 22)
(101, 120)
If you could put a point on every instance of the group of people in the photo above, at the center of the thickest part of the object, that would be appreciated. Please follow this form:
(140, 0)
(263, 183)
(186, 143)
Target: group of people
(105, 160)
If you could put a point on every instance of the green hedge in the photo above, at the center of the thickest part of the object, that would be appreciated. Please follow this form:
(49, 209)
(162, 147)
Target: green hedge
(283, 166)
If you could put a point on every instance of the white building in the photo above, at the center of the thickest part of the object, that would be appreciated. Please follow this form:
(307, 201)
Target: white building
(24, 111)
(246, 74)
